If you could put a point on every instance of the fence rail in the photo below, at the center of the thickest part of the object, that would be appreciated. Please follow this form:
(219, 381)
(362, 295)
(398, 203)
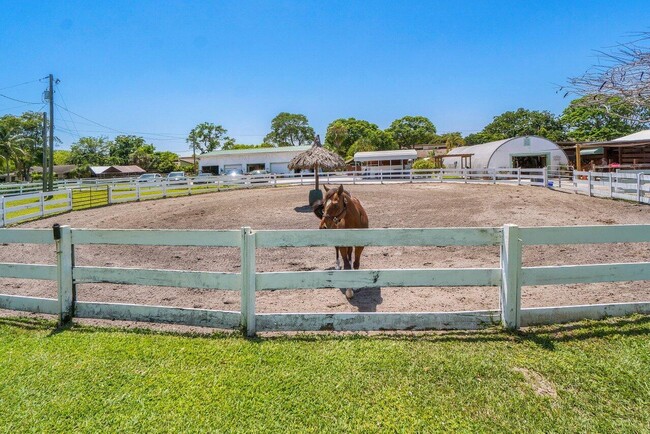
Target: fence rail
(613, 185)
(510, 276)
(81, 194)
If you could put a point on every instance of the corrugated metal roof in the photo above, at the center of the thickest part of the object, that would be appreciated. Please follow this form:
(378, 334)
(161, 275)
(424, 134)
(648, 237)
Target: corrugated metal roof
(482, 152)
(255, 151)
(400, 154)
(130, 169)
(641, 135)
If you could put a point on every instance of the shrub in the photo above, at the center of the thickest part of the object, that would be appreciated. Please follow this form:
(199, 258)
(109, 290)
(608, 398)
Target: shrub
(423, 164)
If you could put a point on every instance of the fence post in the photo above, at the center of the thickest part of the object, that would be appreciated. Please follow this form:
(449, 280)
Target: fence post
(248, 281)
(638, 187)
(494, 176)
(4, 213)
(137, 192)
(589, 182)
(381, 177)
(41, 203)
(300, 177)
(510, 293)
(275, 180)
(110, 194)
(546, 177)
(64, 264)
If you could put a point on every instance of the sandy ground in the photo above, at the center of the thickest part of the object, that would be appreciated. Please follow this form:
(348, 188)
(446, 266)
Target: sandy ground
(388, 206)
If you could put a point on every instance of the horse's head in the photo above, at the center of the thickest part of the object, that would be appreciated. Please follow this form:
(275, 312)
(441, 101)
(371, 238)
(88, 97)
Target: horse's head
(334, 208)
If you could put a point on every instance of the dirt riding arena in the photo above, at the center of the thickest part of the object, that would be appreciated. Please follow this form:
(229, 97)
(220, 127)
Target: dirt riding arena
(388, 206)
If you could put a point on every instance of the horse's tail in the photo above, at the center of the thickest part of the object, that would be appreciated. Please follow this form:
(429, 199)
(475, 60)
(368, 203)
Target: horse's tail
(318, 207)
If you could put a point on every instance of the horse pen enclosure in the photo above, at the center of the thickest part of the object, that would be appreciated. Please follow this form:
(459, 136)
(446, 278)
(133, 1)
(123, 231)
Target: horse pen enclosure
(468, 262)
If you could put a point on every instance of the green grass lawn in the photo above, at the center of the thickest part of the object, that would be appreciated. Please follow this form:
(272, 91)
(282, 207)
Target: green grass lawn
(586, 377)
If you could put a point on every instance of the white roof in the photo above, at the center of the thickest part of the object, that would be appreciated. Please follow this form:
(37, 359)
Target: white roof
(641, 135)
(482, 152)
(400, 154)
(98, 170)
(497, 153)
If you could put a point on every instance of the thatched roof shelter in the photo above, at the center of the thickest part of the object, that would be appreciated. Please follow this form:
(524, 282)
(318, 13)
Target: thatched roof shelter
(315, 158)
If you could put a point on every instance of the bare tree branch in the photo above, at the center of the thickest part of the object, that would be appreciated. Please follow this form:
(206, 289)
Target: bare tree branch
(620, 78)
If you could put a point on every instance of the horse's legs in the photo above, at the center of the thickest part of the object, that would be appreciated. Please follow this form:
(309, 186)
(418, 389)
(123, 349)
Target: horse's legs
(338, 263)
(346, 254)
(357, 256)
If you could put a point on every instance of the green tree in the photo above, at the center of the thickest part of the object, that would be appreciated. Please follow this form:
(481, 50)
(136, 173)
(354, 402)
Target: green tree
(521, 122)
(373, 141)
(585, 122)
(165, 161)
(452, 140)
(122, 147)
(90, 151)
(143, 156)
(343, 133)
(207, 137)
(26, 131)
(12, 144)
(61, 157)
(412, 130)
(288, 129)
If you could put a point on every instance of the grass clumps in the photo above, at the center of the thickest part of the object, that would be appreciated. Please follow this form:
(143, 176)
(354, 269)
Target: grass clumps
(586, 377)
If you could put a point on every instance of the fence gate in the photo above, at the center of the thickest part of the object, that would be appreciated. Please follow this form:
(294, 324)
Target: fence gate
(89, 197)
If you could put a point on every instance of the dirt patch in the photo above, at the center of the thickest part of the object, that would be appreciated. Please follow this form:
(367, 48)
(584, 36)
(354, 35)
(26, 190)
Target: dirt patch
(388, 206)
(538, 383)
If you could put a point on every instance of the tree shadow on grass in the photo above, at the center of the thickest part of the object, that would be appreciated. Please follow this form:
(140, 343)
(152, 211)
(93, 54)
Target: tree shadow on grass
(546, 337)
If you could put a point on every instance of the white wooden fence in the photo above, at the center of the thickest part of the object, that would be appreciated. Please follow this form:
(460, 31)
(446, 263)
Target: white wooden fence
(614, 185)
(16, 209)
(510, 276)
(128, 190)
(628, 186)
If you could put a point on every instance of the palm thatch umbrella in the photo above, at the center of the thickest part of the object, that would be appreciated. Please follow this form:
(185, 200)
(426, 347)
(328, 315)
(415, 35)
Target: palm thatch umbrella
(317, 157)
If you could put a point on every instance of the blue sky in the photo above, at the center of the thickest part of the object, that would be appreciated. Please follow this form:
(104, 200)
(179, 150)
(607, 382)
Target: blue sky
(157, 68)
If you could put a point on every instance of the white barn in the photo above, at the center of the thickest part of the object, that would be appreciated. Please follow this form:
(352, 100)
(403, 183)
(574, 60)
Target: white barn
(274, 160)
(386, 160)
(526, 152)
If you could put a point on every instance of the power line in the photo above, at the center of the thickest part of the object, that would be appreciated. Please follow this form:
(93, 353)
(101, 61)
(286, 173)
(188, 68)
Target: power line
(14, 107)
(165, 135)
(66, 109)
(19, 100)
(19, 84)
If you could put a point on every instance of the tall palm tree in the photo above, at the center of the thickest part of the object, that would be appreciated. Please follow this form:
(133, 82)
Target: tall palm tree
(13, 147)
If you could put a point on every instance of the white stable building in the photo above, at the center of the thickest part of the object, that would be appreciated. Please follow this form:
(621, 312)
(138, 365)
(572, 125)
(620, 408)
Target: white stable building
(386, 160)
(274, 160)
(528, 152)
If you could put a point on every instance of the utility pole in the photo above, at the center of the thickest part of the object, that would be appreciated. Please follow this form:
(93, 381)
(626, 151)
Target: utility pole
(45, 160)
(50, 169)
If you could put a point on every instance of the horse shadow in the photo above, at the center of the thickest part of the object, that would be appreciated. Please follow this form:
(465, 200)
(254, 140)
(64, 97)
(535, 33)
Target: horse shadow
(303, 209)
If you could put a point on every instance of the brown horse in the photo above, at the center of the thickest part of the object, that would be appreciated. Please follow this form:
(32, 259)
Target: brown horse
(339, 210)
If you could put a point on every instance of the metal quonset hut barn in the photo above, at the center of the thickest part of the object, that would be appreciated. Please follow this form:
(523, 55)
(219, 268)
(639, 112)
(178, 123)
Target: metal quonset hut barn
(527, 152)
(275, 160)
